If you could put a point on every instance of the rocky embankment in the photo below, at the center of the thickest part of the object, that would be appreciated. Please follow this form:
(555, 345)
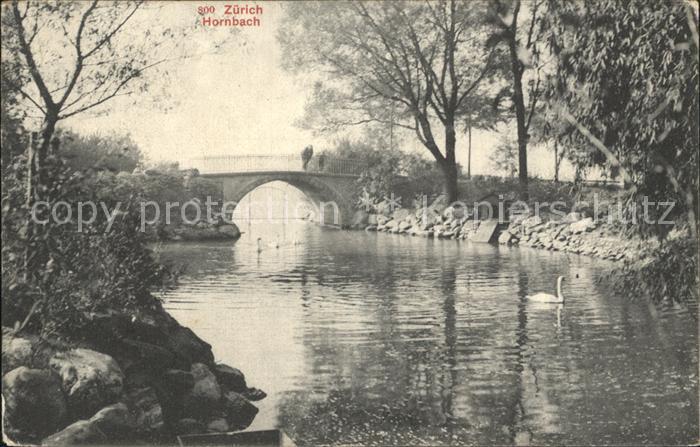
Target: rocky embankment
(573, 233)
(140, 379)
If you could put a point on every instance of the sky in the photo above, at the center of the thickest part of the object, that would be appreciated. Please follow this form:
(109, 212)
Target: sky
(241, 102)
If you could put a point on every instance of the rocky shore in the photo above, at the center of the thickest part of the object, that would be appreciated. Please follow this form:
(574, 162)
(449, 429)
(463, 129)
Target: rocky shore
(131, 378)
(573, 233)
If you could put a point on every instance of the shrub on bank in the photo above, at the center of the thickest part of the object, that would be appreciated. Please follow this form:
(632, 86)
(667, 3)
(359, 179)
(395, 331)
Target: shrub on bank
(666, 273)
(54, 275)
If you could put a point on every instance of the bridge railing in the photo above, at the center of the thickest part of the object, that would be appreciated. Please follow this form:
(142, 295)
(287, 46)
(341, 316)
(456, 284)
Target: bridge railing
(265, 163)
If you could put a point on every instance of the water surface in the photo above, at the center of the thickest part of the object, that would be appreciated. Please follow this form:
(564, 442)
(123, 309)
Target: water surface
(366, 338)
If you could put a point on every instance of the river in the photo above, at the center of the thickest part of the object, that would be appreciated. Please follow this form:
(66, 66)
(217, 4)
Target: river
(374, 338)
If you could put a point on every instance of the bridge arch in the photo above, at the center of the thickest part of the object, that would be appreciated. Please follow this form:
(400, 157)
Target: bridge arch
(331, 195)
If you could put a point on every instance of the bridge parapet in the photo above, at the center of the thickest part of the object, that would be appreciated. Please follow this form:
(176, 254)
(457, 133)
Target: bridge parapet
(232, 164)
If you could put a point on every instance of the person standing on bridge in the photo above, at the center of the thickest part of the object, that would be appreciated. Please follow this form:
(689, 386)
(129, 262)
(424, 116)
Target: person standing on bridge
(306, 155)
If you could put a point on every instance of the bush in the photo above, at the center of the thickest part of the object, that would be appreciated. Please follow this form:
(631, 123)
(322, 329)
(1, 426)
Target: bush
(57, 277)
(667, 273)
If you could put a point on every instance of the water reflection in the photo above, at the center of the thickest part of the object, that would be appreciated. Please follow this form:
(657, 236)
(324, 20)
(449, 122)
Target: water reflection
(387, 339)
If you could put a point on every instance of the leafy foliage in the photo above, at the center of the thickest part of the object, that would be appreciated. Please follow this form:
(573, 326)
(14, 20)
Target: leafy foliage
(75, 273)
(115, 153)
(628, 75)
(505, 156)
(413, 65)
(667, 273)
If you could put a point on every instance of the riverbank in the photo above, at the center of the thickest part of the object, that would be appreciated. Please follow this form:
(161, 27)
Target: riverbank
(125, 378)
(573, 232)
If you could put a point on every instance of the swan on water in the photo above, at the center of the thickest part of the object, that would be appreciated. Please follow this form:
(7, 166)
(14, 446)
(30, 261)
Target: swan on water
(548, 298)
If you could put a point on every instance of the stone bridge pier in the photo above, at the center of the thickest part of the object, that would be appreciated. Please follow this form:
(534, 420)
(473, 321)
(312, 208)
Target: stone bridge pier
(330, 194)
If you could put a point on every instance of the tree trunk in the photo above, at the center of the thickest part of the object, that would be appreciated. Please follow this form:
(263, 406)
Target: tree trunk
(469, 146)
(557, 161)
(520, 114)
(450, 165)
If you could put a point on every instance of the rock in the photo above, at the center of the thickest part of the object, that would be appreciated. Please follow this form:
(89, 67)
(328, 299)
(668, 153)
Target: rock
(231, 230)
(372, 219)
(115, 421)
(186, 345)
(178, 381)
(392, 224)
(401, 214)
(404, 226)
(218, 426)
(439, 204)
(146, 356)
(582, 225)
(204, 397)
(16, 352)
(230, 378)
(187, 426)
(531, 221)
(239, 412)
(90, 379)
(382, 220)
(78, 433)
(147, 410)
(572, 217)
(505, 238)
(371, 228)
(34, 403)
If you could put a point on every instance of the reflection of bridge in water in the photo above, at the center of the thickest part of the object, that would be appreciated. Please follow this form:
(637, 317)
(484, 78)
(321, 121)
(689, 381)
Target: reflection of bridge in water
(327, 181)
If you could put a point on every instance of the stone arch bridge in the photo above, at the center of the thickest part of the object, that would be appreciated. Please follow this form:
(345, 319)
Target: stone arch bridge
(327, 181)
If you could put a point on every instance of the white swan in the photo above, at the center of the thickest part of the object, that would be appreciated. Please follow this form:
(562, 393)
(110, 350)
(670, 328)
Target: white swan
(546, 297)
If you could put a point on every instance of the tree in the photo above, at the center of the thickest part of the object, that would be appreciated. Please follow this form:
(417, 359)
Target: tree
(523, 53)
(112, 152)
(416, 65)
(504, 156)
(73, 57)
(627, 81)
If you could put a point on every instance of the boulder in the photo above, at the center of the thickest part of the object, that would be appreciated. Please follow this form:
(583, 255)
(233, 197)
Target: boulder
(230, 230)
(505, 238)
(16, 352)
(372, 219)
(371, 228)
(239, 411)
(89, 379)
(531, 221)
(145, 356)
(401, 214)
(147, 410)
(34, 403)
(218, 426)
(439, 204)
(582, 225)
(230, 378)
(204, 396)
(404, 226)
(115, 421)
(392, 224)
(178, 381)
(78, 433)
(572, 217)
